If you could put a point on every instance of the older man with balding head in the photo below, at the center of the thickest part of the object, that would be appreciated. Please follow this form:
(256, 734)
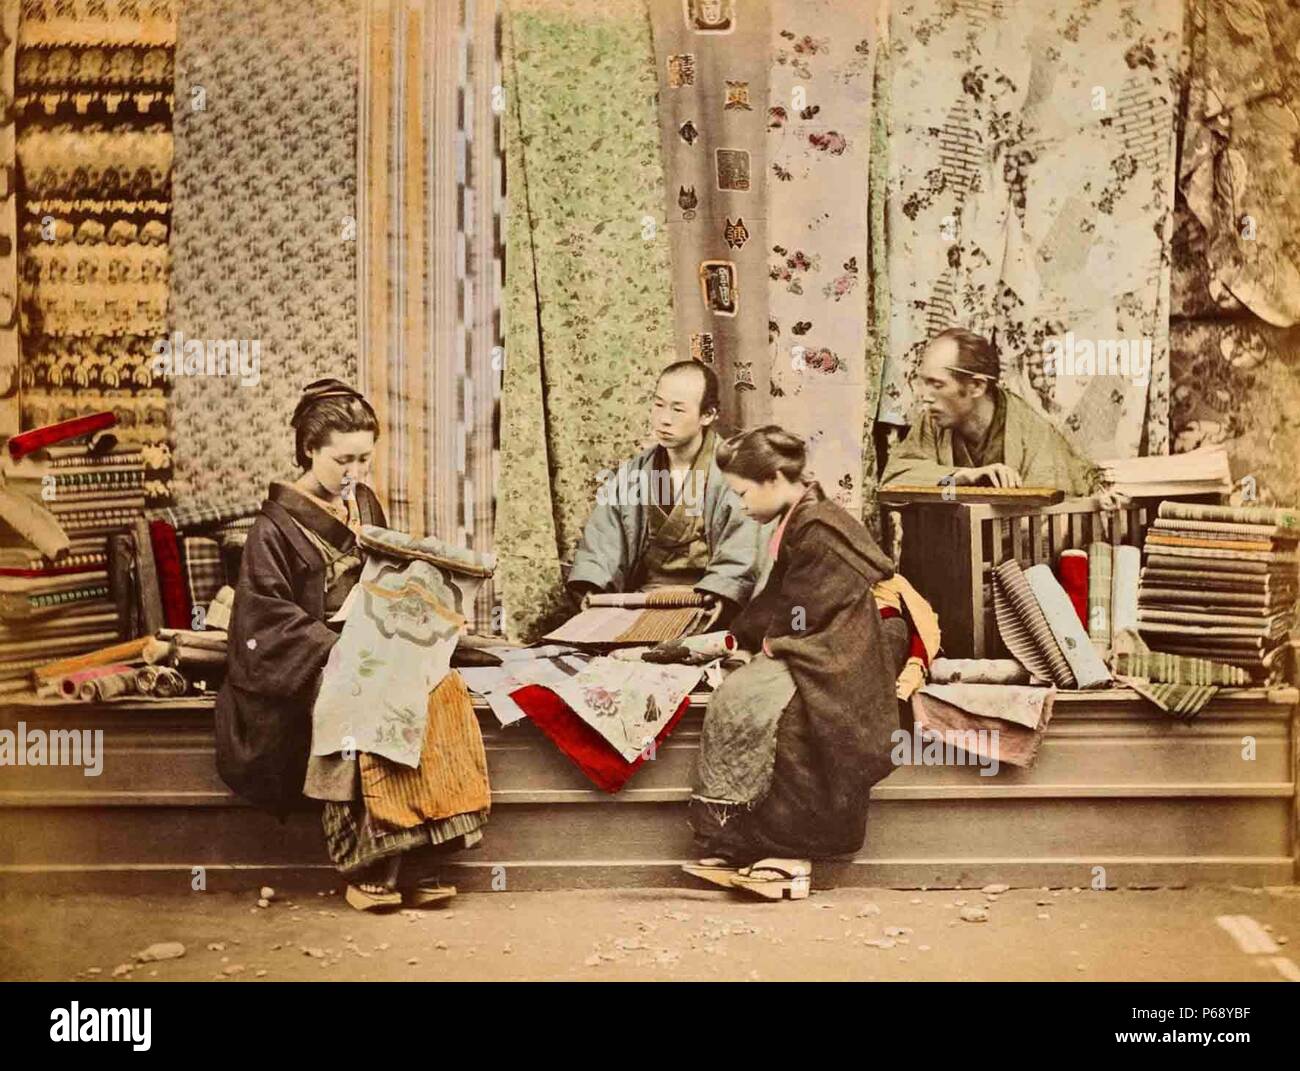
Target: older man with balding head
(970, 430)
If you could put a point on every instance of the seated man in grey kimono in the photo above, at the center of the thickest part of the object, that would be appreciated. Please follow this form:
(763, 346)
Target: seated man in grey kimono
(970, 430)
(666, 518)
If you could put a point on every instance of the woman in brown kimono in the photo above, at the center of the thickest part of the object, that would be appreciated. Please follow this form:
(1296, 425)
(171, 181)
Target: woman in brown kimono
(793, 740)
(299, 564)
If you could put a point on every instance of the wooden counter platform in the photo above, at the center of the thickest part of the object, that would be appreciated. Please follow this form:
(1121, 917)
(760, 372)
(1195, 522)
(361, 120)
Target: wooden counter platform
(1116, 785)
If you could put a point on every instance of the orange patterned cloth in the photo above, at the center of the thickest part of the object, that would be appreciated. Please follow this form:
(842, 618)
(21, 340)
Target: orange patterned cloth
(452, 776)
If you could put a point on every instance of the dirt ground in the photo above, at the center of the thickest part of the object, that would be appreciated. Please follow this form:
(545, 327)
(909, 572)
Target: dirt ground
(636, 934)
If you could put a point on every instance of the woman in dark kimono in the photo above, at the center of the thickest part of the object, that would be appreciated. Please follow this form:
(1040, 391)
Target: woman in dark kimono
(299, 564)
(793, 740)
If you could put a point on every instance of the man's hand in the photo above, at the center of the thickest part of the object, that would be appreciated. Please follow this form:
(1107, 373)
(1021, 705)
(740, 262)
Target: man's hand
(579, 590)
(1110, 501)
(998, 475)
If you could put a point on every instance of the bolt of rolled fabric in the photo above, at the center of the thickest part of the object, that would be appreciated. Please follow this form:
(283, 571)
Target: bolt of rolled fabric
(1023, 628)
(109, 686)
(160, 681)
(70, 686)
(1085, 663)
(978, 671)
(637, 617)
(38, 438)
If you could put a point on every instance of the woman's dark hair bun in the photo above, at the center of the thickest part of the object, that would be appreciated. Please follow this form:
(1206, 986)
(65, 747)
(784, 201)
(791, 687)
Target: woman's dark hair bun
(760, 453)
(327, 406)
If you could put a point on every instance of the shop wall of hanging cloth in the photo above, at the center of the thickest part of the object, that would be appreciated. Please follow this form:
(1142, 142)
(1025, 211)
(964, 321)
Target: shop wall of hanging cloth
(1235, 329)
(1031, 194)
(94, 150)
(588, 301)
(429, 263)
(265, 187)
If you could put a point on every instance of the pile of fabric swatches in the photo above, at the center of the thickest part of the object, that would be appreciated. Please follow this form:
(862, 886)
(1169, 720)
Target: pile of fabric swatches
(1001, 707)
(1220, 582)
(164, 574)
(66, 490)
(992, 708)
(637, 617)
(606, 714)
(1179, 685)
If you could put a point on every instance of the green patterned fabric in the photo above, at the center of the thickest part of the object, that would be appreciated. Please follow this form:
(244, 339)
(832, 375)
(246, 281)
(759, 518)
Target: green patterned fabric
(878, 279)
(587, 289)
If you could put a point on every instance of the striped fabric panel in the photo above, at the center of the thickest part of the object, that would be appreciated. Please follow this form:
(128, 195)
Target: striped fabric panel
(430, 267)
(658, 625)
(1181, 700)
(1178, 669)
(1023, 627)
(452, 776)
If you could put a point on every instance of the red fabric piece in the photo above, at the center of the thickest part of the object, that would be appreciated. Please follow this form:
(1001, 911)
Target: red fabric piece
(915, 645)
(167, 560)
(24, 443)
(586, 749)
(1072, 571)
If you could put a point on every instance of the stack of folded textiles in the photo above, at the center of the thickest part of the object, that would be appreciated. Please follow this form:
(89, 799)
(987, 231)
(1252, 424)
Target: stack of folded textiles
(88, 488)
(1219, 582)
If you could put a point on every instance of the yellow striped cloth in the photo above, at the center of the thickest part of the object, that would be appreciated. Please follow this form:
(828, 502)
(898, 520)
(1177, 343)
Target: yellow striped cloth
(452, 776)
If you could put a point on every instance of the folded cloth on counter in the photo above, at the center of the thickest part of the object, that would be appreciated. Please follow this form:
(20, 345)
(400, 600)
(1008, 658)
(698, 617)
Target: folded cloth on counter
(1162, 667)
(1225, 529)
(33, 523)
(1016, 703)
(1273, 516)
(203, 514)
(989, 738)
(402, 622)
(626, 702)
(581, 744)
(218, 615)
(26, 442)
(1101, 565)
(1183, 701)
(1088, 669)
(978, 671)
(452, 776)
(1125, 574)
(204, 572)
(1023, 627)
(496, 683)
(896, 594)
